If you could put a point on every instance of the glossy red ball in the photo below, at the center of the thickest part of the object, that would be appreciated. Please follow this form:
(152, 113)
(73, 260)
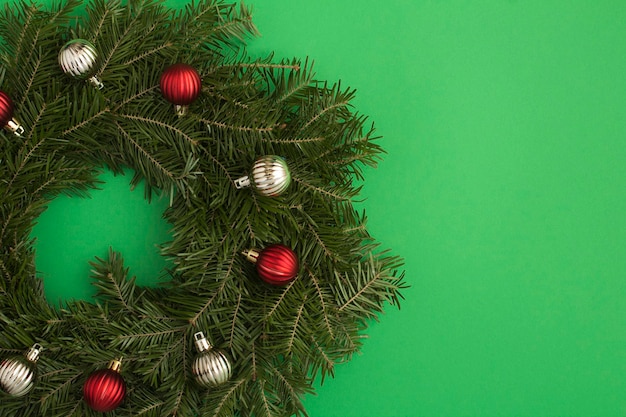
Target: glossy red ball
(181, 84)
(104, 390)
(7, 108)
(277, 264)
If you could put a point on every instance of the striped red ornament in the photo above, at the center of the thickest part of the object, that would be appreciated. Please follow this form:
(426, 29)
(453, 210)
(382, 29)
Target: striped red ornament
(180, 84)
(7, 108)
(105, 389)
(276, 264)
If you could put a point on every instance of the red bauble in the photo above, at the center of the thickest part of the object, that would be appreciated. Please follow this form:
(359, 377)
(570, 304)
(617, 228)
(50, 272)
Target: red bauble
(277, 264)
(7, 108)
(105, 389)
(181, 84)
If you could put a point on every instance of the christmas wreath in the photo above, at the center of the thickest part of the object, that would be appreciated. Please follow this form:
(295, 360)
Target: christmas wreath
(274, 274)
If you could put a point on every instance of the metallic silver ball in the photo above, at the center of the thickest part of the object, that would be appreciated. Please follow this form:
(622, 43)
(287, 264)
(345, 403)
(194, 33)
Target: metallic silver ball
(78, 58)
(17, 375)
(270, 175)
(211, 368)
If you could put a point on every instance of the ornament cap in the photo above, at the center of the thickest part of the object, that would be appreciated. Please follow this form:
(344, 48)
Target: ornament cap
(116, 365)
(181, 110)
(242, 182)
(14, 127)
(32, 354)
(202, 344)
(95, 81)
(251, 255)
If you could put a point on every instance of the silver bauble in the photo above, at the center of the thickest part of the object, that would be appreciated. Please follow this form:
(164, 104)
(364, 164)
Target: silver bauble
(270, 176)
(17, 374)
(78, 58)
(211, 367)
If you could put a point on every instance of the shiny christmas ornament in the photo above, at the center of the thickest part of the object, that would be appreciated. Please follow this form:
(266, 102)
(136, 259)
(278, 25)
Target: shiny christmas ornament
(276, 264)
(78, 58)
(180, 85)
(211, 367)
(270, 176)
(17, 374)
(105, 389)
(7, 108)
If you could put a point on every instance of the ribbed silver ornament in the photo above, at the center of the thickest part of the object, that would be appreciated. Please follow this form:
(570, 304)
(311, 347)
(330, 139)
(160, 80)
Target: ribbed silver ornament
(270, 176)
(211, 367)
(17, 375)
(78, 58)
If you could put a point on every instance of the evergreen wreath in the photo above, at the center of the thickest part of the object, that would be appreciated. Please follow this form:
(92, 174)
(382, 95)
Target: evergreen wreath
(278, 338)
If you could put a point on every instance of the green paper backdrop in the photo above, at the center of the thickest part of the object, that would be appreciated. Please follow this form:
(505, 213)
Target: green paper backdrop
(503, 187)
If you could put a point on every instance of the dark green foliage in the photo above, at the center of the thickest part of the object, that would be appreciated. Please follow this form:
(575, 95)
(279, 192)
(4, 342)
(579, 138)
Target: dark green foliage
(279, 338)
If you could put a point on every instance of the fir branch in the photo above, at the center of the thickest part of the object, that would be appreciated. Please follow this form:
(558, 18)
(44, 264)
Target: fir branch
(22, 166)
(279, 301)
(119, 292)
(299, 80)
(320, 190)
(266, 405)
(165, 125)
(212, 92)
(116, 45)
(255, 371)
(323, 111)
(125, 338)
(6, 273)
(31, 50)
(294, 140)
(319, 240)
(148, 53)
(193, 321)
(149, 408)
(164, 356)
(30, 12)
(232, 127)
(43, 186)
(329, 363)
(85, 122)
(258, 65)
(234, 323)
(292, 338)
(135, 97)
(144, 152)
(65, 385)
(321, 297)
(292, 391)
(179, 401)
(29, 82)
(221, 166)
(96, 33)
(35, 123)
(75, 409)
(7, 220)
(227, 396)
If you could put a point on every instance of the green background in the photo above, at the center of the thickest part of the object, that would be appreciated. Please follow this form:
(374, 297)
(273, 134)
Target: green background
(503, 188)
